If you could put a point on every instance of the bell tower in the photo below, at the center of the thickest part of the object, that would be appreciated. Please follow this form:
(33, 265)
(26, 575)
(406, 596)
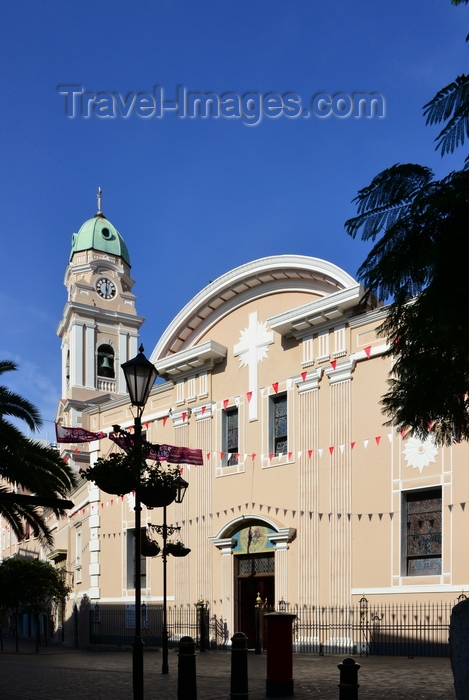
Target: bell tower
(100, 326)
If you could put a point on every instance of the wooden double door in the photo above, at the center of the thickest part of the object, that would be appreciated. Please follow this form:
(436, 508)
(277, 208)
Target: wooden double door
(255, 577)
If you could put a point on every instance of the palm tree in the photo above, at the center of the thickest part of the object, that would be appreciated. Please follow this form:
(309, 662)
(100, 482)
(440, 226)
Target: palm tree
(450, 105)
(420, 263)
(26, 463)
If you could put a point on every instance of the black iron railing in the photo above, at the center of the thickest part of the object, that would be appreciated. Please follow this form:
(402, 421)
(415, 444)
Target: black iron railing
(115, 625)
(404, 629)
(398, 629)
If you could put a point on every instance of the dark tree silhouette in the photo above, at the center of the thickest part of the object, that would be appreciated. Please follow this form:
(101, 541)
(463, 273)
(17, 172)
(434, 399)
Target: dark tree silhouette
(420, 262)
(26, 463)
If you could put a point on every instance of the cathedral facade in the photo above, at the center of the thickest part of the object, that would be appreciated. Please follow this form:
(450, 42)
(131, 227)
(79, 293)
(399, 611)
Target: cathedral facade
(275, 372)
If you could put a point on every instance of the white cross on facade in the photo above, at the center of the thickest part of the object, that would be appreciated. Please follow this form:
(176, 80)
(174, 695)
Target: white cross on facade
(252, 349)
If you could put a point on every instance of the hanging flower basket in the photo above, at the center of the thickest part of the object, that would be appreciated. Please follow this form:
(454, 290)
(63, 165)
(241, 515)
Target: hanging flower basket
(149, 548)
(114, 474)
(177, 549)
(157, 496)
(158, 486)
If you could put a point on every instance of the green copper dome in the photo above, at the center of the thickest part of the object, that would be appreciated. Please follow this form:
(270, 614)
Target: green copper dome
(99, 234)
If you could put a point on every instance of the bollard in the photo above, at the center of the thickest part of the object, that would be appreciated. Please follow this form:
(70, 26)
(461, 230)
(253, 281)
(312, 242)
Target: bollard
(187, 683)
(202, 628)
(239, 666)
(257, 619)
(348, 683)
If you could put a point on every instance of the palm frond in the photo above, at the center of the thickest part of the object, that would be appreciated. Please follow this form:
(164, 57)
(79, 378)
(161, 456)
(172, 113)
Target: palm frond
(451, 105)
(25, 462)
(7, 366)
(387, 199)
(17, 515)
(12, 404)
(38, 469)
(421, 262)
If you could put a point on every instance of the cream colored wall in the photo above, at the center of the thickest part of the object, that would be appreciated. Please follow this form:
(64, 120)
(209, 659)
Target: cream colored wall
(340, 504)
(344, 503)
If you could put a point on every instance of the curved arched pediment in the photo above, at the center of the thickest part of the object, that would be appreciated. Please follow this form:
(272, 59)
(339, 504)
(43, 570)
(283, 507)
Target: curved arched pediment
(254, 280)
(243, 521)
(279, 536)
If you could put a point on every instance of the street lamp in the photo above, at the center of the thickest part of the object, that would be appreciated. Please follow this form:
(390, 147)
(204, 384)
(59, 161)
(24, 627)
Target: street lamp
(181, 488)
(140, 375)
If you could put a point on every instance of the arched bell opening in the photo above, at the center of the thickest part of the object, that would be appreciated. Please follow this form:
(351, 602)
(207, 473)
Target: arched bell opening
(106, 362)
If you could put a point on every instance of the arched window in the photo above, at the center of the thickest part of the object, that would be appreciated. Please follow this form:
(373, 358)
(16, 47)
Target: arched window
(106, 362)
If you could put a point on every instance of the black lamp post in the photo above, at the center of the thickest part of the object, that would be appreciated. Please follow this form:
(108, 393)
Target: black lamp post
(181, 488)
(140, 375)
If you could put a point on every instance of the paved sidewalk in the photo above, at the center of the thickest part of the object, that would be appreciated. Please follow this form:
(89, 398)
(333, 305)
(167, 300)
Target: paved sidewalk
(58, 673)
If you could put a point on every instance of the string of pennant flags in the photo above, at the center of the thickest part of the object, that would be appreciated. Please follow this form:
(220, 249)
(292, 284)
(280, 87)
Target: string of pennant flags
(195, 457)
(66, 434)
(309, 453)
(181, 455)
(95, 508)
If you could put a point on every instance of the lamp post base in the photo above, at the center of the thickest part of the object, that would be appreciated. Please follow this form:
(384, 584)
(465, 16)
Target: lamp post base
(165, 665)
(137, 667)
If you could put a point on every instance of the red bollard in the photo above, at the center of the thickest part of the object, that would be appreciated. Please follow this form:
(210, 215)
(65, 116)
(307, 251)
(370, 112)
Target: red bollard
(279, 683)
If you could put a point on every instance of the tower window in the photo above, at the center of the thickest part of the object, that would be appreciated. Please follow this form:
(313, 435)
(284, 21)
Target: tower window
(106, 362)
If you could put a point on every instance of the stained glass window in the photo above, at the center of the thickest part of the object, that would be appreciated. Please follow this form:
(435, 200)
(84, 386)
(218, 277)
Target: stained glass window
(423, 521)
(279, 424)
(231, 446)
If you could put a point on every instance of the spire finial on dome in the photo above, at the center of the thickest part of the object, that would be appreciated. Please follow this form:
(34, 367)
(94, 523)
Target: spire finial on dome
(99, 198)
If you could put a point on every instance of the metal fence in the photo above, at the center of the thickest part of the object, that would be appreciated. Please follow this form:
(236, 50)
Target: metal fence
(115, 625)
(405, 629)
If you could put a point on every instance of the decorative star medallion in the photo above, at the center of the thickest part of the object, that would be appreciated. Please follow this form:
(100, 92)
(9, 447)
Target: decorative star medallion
(419, 454)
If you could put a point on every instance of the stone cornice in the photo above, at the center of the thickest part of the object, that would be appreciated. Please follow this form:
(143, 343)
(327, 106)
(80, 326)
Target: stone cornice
(225, 544)
(368, 317)
(342, 372)
(124, 400)
(94, 313)
(311, 382)
(283, 537)
(198, 358)
(375, 351)
(301, 320)
(204, 411)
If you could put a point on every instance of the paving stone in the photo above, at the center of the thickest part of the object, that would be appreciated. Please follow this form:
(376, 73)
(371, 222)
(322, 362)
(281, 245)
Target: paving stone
(59, 673)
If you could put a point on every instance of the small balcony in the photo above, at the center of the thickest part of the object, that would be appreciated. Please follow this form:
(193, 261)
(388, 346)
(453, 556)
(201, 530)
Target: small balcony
(107, 385)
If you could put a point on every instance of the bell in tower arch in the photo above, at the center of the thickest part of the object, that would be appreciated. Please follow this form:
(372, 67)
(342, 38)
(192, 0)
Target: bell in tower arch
(106, 362)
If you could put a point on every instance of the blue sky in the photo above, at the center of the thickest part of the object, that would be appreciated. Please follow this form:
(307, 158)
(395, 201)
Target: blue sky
(195, 197)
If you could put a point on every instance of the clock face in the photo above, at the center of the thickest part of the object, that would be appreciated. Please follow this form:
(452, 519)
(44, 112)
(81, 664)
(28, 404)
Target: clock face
(105, 288)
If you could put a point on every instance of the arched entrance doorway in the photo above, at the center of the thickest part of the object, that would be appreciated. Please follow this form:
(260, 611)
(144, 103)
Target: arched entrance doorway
(254, 572)
(254, 561)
